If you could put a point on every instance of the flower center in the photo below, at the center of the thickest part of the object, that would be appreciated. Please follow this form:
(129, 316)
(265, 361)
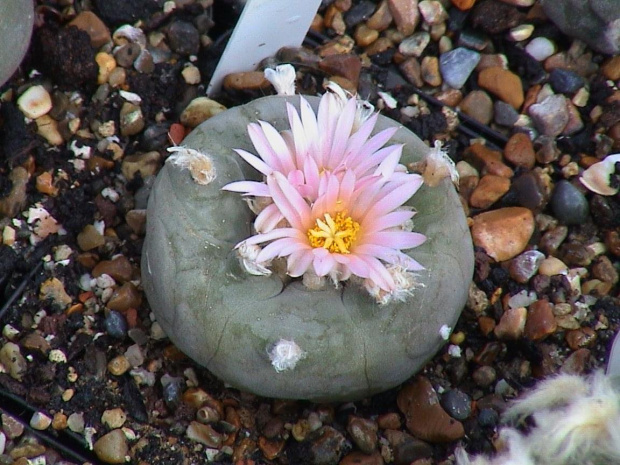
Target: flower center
(334, 234)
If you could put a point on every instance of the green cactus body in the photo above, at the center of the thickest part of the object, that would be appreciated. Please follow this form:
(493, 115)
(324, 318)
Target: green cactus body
(227, 320)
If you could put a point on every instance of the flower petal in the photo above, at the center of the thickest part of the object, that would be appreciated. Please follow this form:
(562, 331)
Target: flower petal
(255, 162)
(390, 220)
(268, 218)
(395, 239)
(289, 201)
(278, 144)
(299, 261)
(255, 188)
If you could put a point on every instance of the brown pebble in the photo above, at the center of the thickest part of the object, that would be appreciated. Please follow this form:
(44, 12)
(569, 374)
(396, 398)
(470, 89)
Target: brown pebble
(125, 297)
(131, 119)
(503, 84)
(540, 321)
(426, 419)
(118, 268)
(406, 15)
(119, 365)
(365, 36)
(359, 458)
(112, 447)
(463, 5)
(582, 337)
(611, 68)
(412, 71)
(519, 151)
(201, 109)
(612, 241)
(271, 448)
(136, 220)
(489, 190)
(147, 164)
(90, 238)
(430, 71)
(503, 233)
(389, 420)
(450, 97)
(347, 66)
(486, 325)
(249, 80)
(484, 376)
(577, 362)
(90, 23)
(478, 105)
(605, 270)
(380, 45)
(511, 324)
(364, 433)
(54, 290)
(45, 184)
(381, 18)
(490, 161)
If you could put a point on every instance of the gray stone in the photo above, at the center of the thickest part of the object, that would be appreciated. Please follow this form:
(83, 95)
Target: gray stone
(596, 22)
(456, 66)
(551, 115)
(504, 114)
(569, 205)
(16, 19)
(226, 319)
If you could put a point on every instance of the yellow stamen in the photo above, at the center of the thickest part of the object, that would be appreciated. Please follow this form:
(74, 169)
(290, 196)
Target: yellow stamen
(334, 234)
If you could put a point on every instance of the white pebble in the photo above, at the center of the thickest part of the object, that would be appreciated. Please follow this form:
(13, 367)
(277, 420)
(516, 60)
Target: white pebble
(57, 356)
(35, 102)
(540, 48)
(40, 421)
(191, 74)
(521, 32)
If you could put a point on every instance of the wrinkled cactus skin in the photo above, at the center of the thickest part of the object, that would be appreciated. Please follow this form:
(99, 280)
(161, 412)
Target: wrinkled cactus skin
(227, 320)
(16, 19)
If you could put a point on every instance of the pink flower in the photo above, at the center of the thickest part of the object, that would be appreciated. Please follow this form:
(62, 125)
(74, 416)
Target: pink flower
(316, 145)
(353, 228)
(335, 200)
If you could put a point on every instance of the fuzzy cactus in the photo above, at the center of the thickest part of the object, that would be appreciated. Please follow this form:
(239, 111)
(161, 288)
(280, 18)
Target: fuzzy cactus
(16, 19)
(271, 335)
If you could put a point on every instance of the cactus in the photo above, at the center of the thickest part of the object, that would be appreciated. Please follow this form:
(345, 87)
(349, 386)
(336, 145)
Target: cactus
(276, 337)
(16, 19)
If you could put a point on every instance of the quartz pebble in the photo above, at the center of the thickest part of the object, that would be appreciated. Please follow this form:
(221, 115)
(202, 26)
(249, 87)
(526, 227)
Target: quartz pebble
(415, 44)
(551, 115)
(40, 421)
(432, 11)
(457, 65)
(525, 265)
(112, 447)
(426, 419)
(35, 102)
(540, 48)
(503, 233)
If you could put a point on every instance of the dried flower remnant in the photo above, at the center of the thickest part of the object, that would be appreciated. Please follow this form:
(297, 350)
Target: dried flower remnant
(335, 200)
(282, 78)
(603, 177)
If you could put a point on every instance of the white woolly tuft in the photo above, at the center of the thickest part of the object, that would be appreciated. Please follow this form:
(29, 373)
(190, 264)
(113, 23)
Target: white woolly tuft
(438, 166)
(248, 257)
(285, 354)
(199, 165)
(577, 421)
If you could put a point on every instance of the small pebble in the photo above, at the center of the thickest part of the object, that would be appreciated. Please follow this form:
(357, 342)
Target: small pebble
(119, 365)
(503, 233)
(126, 54)
(540, 48)
(40, 421)
(432, 11)
(328, 446)
(484, 376)
(504, 114)
(75, 422)
(488, 191)
(511, 324)
(569, 204)
(184, 38)
(426, 418)
(381, 18)
(519, 151)
(551, 115)
(488, 418)
(525, 265)
(415, 44)
(478, 105)
(364, 433)
(552, 266)
(35, 102)
(521, 32)
(504, 84)
(131, 119)
(147, 164)
(540, 321)
(457, 404)
(406, 15)
(457, 65)
(96, 29)
(114, 418)
(362, 11)
(173, 391)
(112, 447)
(430, 71)
(116, 325)
(125, 297)
(200, 109)
(191, 75)
(564, 81)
